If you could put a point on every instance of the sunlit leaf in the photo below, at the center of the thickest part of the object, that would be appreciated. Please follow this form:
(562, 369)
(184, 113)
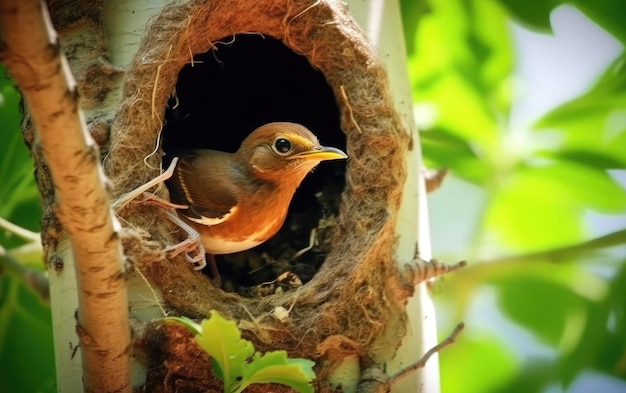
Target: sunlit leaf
(613, 80)
(548, 309)
(26, 350)
(412, 11)
(462, 111)
(592, 188)
(461, 66)
(590, 159)
(532, 210)
(221, 339)
(534, 14)
(19, 197)
(476, 365)
(594, 123)
(276, 367)
(602, 345)
(536, 375)
(443, 149)
(236, 362)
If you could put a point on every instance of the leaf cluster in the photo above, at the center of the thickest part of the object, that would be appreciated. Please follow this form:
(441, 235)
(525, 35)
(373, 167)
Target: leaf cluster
(236, 362)
(26, 350)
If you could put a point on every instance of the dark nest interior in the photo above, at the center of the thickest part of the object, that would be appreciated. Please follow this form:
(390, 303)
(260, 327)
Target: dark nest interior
(221, 96)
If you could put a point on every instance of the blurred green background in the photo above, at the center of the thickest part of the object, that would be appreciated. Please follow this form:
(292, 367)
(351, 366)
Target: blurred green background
(525, 102)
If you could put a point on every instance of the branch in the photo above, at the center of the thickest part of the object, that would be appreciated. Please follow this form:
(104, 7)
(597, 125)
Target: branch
(558, 254)
(34, 279)
(19, 231)
(422, 362)
(32, 55)
(375, 379)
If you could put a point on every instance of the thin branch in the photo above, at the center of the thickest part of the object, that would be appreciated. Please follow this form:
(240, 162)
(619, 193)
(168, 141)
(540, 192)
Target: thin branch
(558, 254)
(19, 231)
(35, 279)
(422, 362)
(31, 52)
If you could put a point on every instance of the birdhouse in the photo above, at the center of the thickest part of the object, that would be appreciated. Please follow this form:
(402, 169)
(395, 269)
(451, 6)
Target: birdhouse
(206, 75)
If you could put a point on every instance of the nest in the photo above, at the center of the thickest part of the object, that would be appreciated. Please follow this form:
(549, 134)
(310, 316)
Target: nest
(357, 297)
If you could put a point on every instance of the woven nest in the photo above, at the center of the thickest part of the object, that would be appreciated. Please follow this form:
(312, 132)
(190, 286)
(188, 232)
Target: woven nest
(354, 304)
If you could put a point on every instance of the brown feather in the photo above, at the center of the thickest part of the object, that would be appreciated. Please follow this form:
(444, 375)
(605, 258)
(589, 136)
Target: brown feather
(248, 192)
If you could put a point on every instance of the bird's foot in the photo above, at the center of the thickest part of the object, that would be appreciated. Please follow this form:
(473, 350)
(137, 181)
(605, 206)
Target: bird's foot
(125, 199)
(217, 279)
(151, 199)
(191, 246)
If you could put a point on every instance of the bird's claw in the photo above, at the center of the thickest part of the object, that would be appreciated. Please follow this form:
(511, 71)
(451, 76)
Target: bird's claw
(198, 260)
(191, 245)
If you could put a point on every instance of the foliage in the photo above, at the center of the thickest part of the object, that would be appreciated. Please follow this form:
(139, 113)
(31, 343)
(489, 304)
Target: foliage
(535, 268)
(26, 352)
(237, 363)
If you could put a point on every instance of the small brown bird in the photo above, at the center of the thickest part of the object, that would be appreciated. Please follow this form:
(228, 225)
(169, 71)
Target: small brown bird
(239, 200)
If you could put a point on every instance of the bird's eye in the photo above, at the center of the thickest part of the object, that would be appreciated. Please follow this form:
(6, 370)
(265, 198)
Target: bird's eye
(282, 145)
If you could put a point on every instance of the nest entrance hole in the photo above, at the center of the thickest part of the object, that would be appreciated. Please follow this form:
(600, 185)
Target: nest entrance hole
(244, 82)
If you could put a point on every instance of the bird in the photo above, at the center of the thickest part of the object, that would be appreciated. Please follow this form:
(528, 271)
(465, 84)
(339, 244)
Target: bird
(236, 201)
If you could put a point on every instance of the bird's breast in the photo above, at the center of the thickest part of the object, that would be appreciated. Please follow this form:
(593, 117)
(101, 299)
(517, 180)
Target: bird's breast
(259, 214)
(234, 236)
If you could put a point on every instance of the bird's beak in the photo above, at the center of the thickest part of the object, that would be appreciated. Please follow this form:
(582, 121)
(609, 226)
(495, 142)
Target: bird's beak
(323, 153)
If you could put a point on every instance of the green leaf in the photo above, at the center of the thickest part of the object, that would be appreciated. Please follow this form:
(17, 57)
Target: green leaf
(236, 362)
(590, 159)
(561, 308)
(532, 210)
(590, 187)
(461, 67)
(594, 123)
(26, 344)
(535, 14)
(186, 322)
(573, 310)
(607, 13)
(412, 11)
(443, 149)
(19, 197)
(221, 339)
(602, 345)
(463, 364)
(275, 367)
(541, 206)
(535, 376)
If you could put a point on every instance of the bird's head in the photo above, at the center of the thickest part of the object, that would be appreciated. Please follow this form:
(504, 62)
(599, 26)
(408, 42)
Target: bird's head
(281, 150)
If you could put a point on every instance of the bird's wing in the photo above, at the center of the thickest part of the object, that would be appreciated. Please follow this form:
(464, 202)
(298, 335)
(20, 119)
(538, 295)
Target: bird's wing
(201, 181)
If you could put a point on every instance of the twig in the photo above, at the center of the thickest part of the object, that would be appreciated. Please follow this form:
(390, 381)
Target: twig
(422, 362)
(19, 231)
(347, 102)
(35, 279)
(557, 254)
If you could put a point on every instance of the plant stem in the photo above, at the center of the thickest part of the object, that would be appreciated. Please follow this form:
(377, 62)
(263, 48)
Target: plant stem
(35, 279)
(558, 254)
(19, 231)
